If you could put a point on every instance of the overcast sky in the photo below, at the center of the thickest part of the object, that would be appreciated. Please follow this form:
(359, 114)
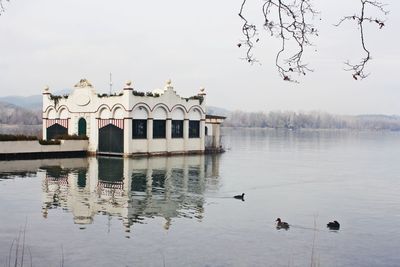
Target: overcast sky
(56, 43)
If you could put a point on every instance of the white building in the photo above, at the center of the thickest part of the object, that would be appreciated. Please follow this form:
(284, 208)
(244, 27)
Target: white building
(132, 123)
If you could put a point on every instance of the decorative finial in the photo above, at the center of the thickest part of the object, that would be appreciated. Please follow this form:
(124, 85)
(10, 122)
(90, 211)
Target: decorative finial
(46, 88)
(168, 86)
(83, 83)
(128, 84)
(202, 91)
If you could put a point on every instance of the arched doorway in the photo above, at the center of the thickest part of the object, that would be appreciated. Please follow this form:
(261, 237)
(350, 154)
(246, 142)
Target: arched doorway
(82, 127)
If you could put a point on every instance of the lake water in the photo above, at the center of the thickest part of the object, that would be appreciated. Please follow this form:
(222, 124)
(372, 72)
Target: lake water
(179, 211)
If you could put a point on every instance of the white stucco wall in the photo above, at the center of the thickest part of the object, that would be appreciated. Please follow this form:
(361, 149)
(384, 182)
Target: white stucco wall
(85, 103)
(13, 147)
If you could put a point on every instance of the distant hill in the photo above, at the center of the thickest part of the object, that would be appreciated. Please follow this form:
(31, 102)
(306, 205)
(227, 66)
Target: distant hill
(33, 102)
(12, 114)
(28, 102)
(211, 110)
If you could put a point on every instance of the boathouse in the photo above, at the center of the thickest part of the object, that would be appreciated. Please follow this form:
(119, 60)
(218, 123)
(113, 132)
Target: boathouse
(133, 123)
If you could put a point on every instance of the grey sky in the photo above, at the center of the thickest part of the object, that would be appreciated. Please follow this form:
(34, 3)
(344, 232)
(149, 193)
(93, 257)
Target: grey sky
(194, 44)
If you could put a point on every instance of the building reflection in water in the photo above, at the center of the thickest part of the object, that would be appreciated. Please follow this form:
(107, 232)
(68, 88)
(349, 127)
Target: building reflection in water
(131, 189)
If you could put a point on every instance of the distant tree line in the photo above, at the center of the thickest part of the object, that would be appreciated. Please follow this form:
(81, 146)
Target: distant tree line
(311, 120)
(35, 130)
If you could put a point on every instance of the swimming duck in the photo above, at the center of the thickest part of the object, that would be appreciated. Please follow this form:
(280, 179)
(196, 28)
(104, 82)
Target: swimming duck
(281, 225)
(335, 225)
(240, 196)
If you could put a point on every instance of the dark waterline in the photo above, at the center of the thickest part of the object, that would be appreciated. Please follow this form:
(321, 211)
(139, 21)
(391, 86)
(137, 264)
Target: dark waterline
(180, 211)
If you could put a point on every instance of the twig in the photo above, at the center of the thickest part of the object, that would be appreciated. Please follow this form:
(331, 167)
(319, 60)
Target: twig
(62, 256)
(292, 25)
(249, 31)
(17, 248)
(30, 255)
(357, 69)
(9, 255)
(23, 244)
(313, 243)
(288, 20)
(2, 9)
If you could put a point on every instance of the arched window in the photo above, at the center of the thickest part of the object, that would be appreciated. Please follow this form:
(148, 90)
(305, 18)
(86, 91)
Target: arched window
(178, 116)
(206, 131)
(194, 123)
(159, 123)
(139, 123)
(82, 127)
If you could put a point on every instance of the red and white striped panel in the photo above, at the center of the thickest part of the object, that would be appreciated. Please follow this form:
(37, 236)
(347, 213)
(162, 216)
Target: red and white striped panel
(62, 181)
(116, 122)
(111, 188)
(62, 122)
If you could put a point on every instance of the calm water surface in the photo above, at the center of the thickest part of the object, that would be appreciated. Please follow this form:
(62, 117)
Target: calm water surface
(179, 211)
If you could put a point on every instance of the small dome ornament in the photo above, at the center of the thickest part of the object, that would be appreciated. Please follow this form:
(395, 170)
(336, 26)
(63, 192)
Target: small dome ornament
(128, 85)
(202, 91)
(168, 85)
(46, 90)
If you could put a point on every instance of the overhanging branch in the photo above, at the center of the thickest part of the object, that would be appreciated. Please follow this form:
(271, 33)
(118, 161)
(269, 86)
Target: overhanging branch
(358, 69)
(288, 22)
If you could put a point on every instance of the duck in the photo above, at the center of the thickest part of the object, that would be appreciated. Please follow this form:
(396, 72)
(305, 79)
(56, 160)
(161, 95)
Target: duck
(240, 196)
(281, 225)
(335, 225)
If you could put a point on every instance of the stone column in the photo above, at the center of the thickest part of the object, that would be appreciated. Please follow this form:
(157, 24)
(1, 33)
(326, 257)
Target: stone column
(46, 103)
(185, 134)
(44, 129)
(149, 133)
(94, 135)
(168, 133)
(202, 134)
(217, 133)
(127, 136)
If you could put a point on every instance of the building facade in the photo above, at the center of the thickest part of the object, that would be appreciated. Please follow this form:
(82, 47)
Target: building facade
(132, 123)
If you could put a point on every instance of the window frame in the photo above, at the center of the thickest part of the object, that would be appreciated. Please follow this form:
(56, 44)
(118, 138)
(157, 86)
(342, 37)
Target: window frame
(177, 132)
(135, 130)
(194, 129)
(156, 129)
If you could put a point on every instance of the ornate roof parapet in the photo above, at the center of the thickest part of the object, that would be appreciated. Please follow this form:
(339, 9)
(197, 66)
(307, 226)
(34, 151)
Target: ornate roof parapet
(158, 91)
(83, 83)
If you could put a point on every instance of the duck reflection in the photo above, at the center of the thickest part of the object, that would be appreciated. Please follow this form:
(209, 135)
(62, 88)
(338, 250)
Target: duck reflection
(131, 189)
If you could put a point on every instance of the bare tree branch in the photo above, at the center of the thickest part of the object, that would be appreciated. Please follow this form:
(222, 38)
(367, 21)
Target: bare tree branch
(288, 21)
(249, 31)
(2, 6)
(357, 69)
